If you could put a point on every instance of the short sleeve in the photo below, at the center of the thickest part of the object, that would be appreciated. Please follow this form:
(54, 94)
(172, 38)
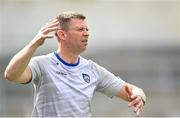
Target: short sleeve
(108, 83)
(35, 69)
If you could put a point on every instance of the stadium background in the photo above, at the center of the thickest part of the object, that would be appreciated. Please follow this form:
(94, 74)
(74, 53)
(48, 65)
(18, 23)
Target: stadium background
(138, 40)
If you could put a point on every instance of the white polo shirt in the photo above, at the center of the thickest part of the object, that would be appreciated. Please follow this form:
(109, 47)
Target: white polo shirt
(66, 90)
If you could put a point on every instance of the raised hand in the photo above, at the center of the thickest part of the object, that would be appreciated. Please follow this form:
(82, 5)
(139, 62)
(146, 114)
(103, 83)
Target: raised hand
(45, 30)
(135, 100)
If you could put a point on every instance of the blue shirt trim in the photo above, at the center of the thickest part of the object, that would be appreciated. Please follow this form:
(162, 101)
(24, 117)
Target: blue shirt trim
(65, 63)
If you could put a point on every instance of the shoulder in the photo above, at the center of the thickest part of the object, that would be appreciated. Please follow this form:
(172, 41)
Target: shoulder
(42, 58)
(87, 62)
(92, 65)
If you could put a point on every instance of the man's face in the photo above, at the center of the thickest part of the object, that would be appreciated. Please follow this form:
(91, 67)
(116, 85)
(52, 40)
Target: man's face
(77, 35)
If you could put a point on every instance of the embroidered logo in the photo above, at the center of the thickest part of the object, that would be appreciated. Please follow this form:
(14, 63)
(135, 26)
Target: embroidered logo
(60, 73)
(86, 78)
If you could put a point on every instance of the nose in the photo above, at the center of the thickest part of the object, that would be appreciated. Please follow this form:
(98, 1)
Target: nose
(86, 33)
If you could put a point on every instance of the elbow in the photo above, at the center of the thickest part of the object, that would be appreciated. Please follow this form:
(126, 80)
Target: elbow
(8, 75)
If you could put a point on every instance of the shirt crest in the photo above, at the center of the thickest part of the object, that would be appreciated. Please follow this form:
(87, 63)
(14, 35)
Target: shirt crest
(86, 78)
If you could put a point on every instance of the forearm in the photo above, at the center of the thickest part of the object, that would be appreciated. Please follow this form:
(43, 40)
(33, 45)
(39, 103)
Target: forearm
(20, 61)
(123, 92)
(17, 68)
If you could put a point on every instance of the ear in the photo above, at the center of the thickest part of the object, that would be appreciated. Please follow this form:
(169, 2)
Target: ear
(61, 34)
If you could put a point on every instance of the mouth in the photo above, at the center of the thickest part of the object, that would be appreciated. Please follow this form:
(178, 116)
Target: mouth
(84, 41)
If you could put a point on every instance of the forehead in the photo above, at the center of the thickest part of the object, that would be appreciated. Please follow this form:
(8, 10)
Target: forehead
(78, 23)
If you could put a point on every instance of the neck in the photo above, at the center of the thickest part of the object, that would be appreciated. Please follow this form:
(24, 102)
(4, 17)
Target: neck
(68, 57)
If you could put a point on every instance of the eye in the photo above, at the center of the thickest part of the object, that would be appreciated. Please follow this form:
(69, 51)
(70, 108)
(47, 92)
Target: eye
(80, 29)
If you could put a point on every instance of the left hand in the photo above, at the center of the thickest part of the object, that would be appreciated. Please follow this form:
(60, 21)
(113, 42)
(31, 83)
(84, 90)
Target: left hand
(135, 101)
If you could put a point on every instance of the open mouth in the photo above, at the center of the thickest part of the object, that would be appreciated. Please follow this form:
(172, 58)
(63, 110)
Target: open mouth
(84, 41)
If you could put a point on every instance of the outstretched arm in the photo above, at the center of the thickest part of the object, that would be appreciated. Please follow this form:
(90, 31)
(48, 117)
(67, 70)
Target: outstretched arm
(18, 69)
(134, 95)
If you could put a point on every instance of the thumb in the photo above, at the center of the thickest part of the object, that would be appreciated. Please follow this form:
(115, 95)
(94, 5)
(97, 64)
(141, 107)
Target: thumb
(128, 91)
(47, 36)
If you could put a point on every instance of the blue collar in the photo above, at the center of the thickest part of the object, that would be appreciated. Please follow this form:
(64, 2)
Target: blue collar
(65, 63)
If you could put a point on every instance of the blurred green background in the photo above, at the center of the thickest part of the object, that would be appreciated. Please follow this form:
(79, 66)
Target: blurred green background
(138, 40)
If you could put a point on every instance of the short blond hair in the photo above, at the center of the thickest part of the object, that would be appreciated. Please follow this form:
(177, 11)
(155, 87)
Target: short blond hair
(65, 17)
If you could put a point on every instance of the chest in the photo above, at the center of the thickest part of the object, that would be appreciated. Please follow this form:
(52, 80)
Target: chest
(80, 82)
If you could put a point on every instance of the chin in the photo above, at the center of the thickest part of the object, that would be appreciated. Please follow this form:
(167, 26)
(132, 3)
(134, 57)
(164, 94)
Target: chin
(83, 49)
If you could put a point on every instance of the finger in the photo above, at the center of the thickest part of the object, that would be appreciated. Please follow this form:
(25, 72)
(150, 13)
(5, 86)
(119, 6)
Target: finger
(50, 25)
(54, 20)
(133, 97)
(138, 113)
(134, 101)
(46, 31)
(50, 36)
(138, 106)
(47, 36)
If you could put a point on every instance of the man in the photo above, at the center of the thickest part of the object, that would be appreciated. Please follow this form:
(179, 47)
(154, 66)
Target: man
(64, 81)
